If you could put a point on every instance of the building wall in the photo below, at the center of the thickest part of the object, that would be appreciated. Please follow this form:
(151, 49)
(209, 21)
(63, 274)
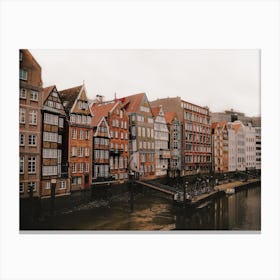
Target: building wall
(118, 124)
(100, 153)
(250, 146)
(232, 152)
(175, 145)
(258, 147)
(29, 86)
(142, 143)
(162, 150)
(53, 124)
(241, 148)
(196, 133)
(80, 163)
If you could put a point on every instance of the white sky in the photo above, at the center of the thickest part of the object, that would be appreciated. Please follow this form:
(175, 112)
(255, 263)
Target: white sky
(219, 79)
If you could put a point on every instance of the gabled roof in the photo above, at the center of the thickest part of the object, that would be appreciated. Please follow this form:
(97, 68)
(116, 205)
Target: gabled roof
(169, 116)
(133, 102)
(101, 110)
(47, 91)
(69, 95)
(155, 111)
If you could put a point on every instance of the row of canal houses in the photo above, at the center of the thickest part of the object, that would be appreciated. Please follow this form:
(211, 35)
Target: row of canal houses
(69, 143)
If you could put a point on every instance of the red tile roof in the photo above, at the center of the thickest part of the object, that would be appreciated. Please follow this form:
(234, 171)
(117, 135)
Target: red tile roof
(169, 116)
(133, 102)
(100, 110)
(69, 95)
(46, 92)
(155, 111)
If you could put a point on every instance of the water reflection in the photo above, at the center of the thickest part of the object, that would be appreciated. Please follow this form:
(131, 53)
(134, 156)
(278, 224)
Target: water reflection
(240, 211)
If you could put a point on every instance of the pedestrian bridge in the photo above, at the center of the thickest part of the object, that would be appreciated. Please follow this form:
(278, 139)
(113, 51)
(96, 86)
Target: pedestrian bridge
(159, 187)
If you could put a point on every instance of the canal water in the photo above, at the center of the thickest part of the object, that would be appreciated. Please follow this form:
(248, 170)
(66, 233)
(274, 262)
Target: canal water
(239, 211)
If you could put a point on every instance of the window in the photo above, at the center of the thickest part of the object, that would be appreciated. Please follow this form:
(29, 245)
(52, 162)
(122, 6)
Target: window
(143, 132)
(50, 119)
(22, 93)
(86, 134)
(87, 167)
(74, 133)
(33, 117)
(88, 120)
(21, 115)
(74, 151)
(49, 170)
(23, 74)
(87, 152)
(50, 136)
(48, 185)
(21, 165)
(32, 139)
(59, 139)
(80, 152)
(21, 139)
(20, 56)
(21, 187)
(50, 103)
(73, 167)
(49, 153)
(31, 165)
(81, 134)
(139, 131)
(31, 185)
(33, 95)
(81, 167)
(73, 118)
(62, 185)
(61, 122)
(116, 134)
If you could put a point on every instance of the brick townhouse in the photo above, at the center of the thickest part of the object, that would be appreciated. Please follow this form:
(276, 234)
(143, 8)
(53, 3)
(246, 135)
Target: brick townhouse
(117, 120)
(30, 102)
(78, 136)
(196, 134)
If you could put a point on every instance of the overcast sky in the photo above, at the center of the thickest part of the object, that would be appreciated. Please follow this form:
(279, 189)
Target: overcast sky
(219, 79)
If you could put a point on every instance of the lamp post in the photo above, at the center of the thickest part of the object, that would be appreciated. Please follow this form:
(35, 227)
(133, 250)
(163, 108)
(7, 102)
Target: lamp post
(53, 185)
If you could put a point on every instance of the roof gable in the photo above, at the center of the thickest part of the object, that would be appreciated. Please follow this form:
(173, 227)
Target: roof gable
(52, 101)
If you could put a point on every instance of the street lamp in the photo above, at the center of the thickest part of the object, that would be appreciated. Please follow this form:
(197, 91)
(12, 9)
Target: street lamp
(53, 185)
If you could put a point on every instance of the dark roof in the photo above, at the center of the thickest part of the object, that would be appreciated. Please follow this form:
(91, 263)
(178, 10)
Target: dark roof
(69, 95)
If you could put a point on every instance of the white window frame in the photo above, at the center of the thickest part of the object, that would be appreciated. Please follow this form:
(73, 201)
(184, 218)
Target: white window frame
(48, 185)
(62, 185)
(33, 138)
(21, 139)
(61, 122)
(34, 95)
(73, 167)
(21, 187)
(32, 165)
(33, 114)
(22, 93)
(22, 113)
(23, 74)
(21, 165)
(87, 167)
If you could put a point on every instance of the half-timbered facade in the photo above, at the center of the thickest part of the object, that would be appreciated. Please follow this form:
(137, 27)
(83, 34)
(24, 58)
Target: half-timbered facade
(175, 143)
(141, 135)
(117, 120)
(79, 130)
(54, 164)
(161, 133)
